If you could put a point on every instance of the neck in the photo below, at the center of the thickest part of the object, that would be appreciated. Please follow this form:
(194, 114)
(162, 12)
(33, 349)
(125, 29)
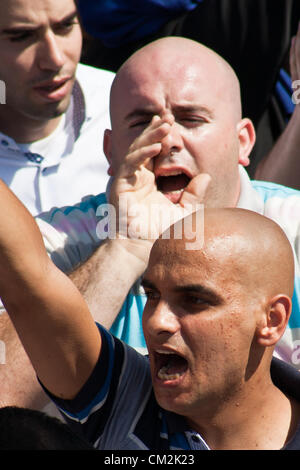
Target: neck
(27, 130)
(261, 419)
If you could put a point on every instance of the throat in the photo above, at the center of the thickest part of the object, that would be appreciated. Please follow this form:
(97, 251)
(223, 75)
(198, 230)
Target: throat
(24, 129)
(168, 184)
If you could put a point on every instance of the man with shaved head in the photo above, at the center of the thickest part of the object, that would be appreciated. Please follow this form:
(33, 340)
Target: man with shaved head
(178, 140)
(211, 323)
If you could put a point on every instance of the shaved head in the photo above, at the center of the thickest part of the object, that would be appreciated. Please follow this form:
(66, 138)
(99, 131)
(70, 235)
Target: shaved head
(219, 310)
(170, 56)
(254, 247)
(181, 80)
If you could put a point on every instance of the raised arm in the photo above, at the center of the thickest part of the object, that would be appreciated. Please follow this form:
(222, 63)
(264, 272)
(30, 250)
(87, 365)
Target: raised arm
(49, 314)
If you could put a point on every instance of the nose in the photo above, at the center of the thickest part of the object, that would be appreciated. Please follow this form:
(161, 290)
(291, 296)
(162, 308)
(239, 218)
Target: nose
(51, 56)
(172, 142)
(160, 321)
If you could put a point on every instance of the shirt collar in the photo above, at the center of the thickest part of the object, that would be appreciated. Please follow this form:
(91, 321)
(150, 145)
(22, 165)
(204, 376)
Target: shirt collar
(249, 198)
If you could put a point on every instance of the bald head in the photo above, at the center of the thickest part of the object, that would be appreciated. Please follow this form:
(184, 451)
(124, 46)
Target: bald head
(222, 308)
(175, 57)
(252, 249)
(192, 87)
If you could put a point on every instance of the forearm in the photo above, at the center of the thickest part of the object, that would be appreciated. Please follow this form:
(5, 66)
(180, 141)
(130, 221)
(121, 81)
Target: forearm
(106, 278)
(49, 314)
(18, 382)
(282, 164)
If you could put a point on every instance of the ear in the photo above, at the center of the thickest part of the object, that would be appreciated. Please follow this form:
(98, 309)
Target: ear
(275, 321)
(107, 149)
(246, 134)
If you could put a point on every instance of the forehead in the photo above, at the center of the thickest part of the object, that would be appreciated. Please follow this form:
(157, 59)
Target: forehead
(169, 260)
(158, 88)
(31, 11)
(216, 265)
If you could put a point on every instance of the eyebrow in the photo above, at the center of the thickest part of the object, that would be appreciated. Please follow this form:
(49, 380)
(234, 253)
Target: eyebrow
(27, 27)
(202, 290)
(208, 293)
(148, 284)
(140, 112)
(177, 109)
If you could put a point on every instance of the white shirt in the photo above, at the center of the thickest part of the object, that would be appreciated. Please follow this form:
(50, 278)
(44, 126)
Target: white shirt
(67, 165)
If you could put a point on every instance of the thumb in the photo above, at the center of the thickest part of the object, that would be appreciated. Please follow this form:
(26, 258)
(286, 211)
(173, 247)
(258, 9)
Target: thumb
(195, 191)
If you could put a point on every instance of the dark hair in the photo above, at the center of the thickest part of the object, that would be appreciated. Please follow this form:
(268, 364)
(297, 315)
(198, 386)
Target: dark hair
(26, 429)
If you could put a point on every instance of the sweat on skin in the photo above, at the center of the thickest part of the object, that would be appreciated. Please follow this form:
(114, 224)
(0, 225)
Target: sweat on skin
(211, 322)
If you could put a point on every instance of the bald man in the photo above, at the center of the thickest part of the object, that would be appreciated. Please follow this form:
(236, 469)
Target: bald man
(211, 323)
(178, 140)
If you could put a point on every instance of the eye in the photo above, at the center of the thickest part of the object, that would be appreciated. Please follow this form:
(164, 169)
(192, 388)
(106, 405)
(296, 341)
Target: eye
(192, 121)
(194, 303)
(142, 123)
(194, 299)
(151, 294)
(66, 26)
(21, 36)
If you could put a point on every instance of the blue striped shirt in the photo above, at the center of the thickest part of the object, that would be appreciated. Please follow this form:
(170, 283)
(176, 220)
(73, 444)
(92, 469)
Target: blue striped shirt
(70, 236)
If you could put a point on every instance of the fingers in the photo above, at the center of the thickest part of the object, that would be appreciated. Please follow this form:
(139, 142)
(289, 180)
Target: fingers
(147, 145)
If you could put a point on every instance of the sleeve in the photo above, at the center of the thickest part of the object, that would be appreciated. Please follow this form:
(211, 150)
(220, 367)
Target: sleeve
(119, 374)
(123, 21)
(71, 234)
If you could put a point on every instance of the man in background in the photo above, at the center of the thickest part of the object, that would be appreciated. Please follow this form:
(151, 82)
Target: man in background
(55, 110)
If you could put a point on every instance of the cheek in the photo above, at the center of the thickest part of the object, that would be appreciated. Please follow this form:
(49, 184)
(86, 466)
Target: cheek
(15, 66)
(75, 46)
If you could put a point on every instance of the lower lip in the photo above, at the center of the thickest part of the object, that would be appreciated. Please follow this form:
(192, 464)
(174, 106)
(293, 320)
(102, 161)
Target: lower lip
(168, 383)
(54, 95)
(173, 197)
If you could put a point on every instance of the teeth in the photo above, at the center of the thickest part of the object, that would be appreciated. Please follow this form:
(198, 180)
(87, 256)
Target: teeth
(177, 191)
(163, 375)
(172, 173)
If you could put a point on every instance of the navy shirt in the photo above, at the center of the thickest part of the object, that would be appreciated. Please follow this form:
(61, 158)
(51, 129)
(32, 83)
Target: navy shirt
(117, 410)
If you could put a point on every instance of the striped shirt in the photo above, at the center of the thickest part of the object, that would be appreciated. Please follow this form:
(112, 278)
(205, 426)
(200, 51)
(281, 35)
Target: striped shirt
(116, 408)
(71, 236)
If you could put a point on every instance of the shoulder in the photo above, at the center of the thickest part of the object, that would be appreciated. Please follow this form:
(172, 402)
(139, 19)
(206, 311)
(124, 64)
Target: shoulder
(268, 190)
(89, 76)
(70, 233)
(277, 196)
(93, 86)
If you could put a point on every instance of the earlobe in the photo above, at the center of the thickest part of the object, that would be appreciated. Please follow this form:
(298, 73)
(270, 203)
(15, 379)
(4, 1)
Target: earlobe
(276, 319)
(246, 133)
(107, 149)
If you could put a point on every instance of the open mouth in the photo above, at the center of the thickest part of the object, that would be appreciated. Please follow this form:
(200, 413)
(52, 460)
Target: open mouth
(170, 366)
(54, 90)
(173, 184)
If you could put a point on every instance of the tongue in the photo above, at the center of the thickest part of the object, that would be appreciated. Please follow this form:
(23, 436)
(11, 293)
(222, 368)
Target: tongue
(167, 184)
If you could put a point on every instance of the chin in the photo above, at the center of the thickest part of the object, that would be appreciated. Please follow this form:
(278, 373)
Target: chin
(59, 109)
(174, 404)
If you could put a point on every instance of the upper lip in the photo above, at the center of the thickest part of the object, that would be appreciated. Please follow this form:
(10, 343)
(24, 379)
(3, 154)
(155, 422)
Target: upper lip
(54, 83)
(171, 171)
(167, 350)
